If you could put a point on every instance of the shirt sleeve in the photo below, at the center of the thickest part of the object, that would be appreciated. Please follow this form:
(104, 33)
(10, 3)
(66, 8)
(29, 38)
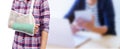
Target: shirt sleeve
(44, 15)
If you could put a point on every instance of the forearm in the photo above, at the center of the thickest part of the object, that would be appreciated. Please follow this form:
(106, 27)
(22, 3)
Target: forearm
(44, 40)
(101, 30)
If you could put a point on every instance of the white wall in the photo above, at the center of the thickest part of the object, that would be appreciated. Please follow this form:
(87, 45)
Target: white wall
(6, 35)
(117, 13)
(58, 10)
(59, 7)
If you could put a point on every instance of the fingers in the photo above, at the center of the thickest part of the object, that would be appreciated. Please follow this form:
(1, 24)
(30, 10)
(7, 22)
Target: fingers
(74, 29)
(38, 25)
(36, 29)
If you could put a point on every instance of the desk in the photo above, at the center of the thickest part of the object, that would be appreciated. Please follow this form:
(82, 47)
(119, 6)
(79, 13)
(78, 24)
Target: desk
(107, 42)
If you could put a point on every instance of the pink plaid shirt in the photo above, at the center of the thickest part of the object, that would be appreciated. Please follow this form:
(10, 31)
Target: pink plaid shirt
(42, 16)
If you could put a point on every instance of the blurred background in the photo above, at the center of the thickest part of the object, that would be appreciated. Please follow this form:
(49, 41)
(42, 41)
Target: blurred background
(58, 9)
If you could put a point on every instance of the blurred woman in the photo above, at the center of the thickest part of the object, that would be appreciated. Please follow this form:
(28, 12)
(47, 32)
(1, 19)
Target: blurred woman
(102, 19)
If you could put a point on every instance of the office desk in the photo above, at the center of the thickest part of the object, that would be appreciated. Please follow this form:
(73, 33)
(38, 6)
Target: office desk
(107, 42)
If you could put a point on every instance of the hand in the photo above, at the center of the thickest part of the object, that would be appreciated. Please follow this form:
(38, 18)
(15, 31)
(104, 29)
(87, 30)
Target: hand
(89, 24)
(81, 23)
(74, 28)
(36, 28)
(77, 25)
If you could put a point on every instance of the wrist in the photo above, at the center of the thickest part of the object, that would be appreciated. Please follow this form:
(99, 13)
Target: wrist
(93, 29)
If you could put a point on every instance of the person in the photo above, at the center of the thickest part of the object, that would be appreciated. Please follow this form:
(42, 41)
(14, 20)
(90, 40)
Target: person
(41, 14)
(102, 19)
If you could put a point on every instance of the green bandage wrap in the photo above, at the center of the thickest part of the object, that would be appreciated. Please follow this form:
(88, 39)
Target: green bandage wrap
(23, 27)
